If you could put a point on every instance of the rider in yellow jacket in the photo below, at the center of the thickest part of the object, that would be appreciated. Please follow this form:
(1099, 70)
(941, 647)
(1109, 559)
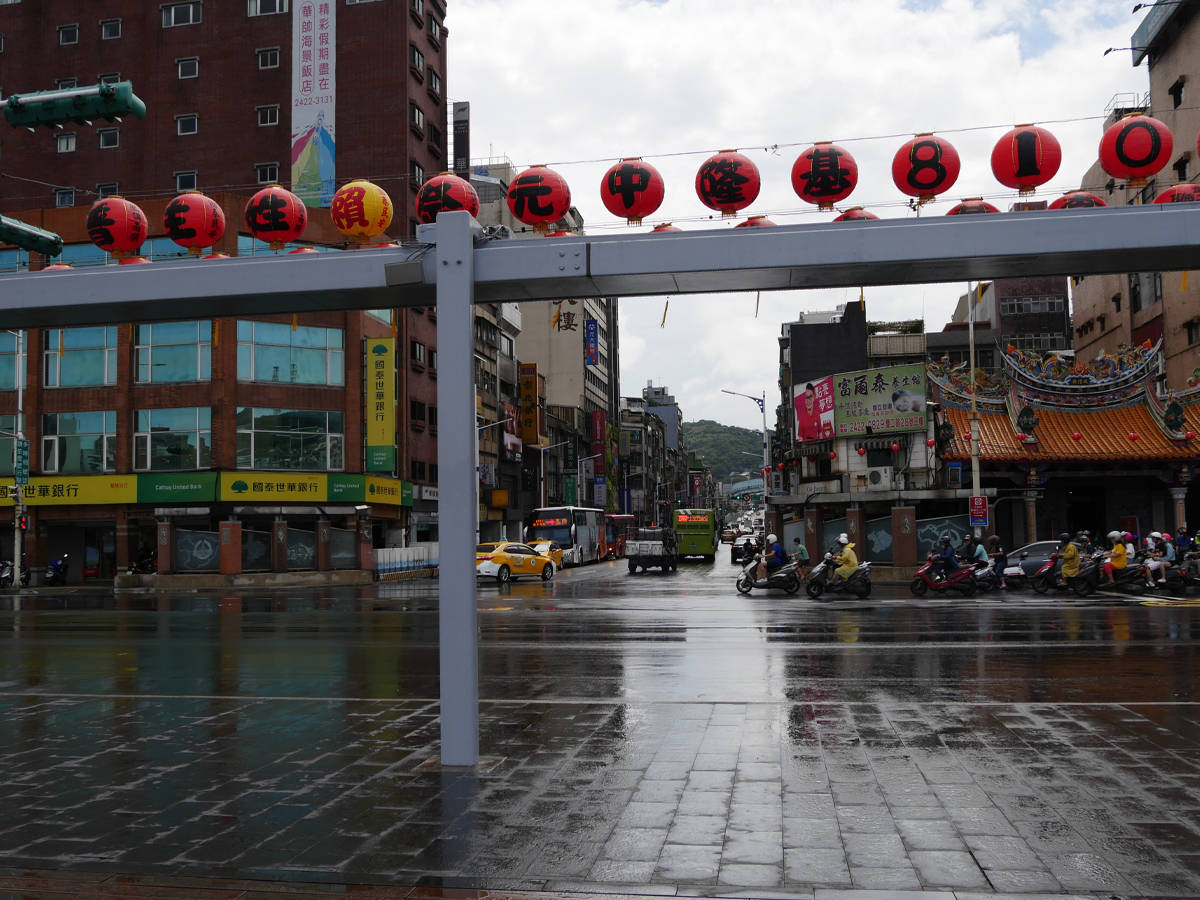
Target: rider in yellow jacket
(846, 560)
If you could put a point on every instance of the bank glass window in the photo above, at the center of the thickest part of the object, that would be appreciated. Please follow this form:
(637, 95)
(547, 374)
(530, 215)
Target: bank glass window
(80, 357)
(301, 354)
(174, 351)
(79, 443)
(8, 443)
(8, 361)
(301, 439)
(172, 439)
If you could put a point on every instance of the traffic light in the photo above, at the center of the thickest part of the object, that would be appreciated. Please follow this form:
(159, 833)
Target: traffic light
(23, 522)
(79, 105)
(28, 237)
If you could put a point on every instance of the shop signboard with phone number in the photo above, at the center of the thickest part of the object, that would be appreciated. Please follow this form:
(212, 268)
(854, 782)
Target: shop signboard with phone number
(886, 401)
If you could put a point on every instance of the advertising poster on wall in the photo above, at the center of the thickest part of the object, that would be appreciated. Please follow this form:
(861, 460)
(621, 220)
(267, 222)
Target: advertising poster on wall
(529, 403)
(591, 342)
(813, 402)
(314, 94)
(381, 405)
(886, 400)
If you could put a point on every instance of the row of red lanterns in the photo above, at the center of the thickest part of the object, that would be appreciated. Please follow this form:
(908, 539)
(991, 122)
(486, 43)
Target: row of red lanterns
(1133, 149)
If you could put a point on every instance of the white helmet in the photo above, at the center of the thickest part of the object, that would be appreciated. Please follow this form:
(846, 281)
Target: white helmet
(1115, 536)
(771, 539)
(1156, 534)
(842, 539)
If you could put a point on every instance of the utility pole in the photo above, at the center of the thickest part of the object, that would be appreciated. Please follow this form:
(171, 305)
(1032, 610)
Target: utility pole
(20, 472)
(974, 408)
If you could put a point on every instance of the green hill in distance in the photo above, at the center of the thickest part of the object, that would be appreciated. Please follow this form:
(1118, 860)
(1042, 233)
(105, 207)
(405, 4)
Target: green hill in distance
(722, 447)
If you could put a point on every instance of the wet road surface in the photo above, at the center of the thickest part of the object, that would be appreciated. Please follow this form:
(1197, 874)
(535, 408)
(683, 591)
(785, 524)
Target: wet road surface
(660, 731)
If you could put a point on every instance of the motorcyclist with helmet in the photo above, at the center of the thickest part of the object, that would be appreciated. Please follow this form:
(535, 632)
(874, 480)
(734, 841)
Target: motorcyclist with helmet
(846, 559)
(947, 560)
(772, 559)
(1117, 557)
(1070, 557)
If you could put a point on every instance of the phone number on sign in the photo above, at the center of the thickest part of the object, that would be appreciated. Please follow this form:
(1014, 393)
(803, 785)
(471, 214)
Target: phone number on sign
(323, 100)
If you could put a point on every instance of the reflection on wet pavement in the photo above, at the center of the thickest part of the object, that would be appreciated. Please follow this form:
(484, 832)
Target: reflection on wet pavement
(656, 730)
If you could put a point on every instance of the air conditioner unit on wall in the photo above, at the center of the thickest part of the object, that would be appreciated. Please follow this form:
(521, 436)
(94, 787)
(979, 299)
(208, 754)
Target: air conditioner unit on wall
(954, 475)
(879, 478)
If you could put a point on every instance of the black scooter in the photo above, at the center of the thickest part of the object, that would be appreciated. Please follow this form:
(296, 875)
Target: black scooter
(858, 584)
(1131, 579)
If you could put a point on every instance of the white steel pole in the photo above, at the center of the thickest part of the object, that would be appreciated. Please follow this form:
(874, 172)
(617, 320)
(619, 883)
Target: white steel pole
(458, 506)
(17, 542)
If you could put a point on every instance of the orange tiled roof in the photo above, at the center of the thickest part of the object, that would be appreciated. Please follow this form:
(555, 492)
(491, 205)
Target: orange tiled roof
(1105, 436)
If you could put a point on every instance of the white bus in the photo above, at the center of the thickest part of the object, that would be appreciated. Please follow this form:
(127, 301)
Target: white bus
(578, 530)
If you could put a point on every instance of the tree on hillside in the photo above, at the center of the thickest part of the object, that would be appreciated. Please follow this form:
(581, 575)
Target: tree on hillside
(724, 446)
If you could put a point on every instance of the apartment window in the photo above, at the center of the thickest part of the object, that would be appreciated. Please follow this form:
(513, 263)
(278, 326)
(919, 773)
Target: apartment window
(1, 42)
(109, 78)
(68, 34)
(9, 365)
(1176, 92)
(416, 174)
(435, 28)
(433, 359)
(268, 58)
(64, 197)
(80, 357)
(1181, 168)
(416, 410)
(66, 84)
(433, 473)
(174, 351)
(180, 14)
(1135, 292)
(416, 352)
(188, 67)
(185, 181)
(110, 138)
(110, 29)
(432, 418)
(268, 115)
(301, 439)
(416, 470)
(418, 6)
(416, 58)
(435, 81)
(301, 354)
(172, 439)
(1193, 332)
(435, 135)
(77, 443)
(1116, 300)
(8, 445)
(65, 143)
(267, 173)
(266, 7)
(1157, 284)
(187, 124)
(416, 116)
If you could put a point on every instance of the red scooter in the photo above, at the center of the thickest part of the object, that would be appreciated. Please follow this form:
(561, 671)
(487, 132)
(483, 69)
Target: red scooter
(961, 579)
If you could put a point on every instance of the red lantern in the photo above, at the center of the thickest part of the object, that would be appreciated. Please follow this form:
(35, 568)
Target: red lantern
(832, 455)
(862, 451)
(1077, 200)
(276, 216)
(974, 205)
(895, 448)
(445, 192)
(854, 213)
(539, 197)
(1133, 435)
(194, 221)
(1135, 148)
(925, 167)
(1026, 158)
(755, 222)
(116, 226)
(1021, 436)
(1076, 436)
(779, 466)
(216, 256)
(1184, 192)
(303, 250)
(663, 228)
(824, 174)
(795, 462)
(930, 442)
(1188, 435)
(728, 181)
(633, 189)
(56, 267)
(562, 232)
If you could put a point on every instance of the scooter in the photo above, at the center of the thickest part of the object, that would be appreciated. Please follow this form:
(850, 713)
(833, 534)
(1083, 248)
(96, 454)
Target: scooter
(858, 584)
(986, 578)
(145, 564)
(783, 578)
(1131, 579)
(961, 579)
(56, 572)
(6, 574)
(1050, 576)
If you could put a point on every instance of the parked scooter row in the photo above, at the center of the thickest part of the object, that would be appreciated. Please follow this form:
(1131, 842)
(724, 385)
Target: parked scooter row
(56, 572)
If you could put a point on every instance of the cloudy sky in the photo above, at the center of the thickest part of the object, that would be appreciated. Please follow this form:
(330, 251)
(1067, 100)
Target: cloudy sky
(579, 83)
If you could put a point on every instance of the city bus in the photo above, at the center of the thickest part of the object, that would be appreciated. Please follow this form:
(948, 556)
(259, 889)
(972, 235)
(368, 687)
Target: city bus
(578, 530)
(696, 530)
(618, 527)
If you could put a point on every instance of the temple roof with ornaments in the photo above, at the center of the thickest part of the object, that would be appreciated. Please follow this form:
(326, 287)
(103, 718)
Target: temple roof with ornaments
(1049, 410)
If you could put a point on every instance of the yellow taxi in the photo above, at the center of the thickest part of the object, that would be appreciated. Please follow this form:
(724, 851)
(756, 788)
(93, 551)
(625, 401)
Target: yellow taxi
(551, 549)
(508, 559)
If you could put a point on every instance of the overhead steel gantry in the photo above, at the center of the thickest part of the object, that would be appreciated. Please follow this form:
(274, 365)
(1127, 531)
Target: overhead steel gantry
(454, 267)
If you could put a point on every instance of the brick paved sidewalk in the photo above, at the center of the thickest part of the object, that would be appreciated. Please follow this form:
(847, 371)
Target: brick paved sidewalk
(791, 799)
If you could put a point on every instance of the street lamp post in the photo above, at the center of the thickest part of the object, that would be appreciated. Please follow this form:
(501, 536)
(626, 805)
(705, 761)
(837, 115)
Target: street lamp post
(546, 450)
(479, 430)
(20, 432)
(579, 475)
(762, 407)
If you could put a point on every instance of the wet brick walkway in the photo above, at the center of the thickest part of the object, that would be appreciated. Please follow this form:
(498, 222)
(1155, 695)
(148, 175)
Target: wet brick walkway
(687, 798)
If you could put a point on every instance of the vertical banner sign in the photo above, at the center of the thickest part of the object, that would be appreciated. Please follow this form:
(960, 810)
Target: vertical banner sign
(569, 490)
(314, 93)
(529, 403)
(381, 404)
(22, 463)
(591, 342)
(598, 431)
(462, 139)
(696, 479)
(601, 489)
(571, 453)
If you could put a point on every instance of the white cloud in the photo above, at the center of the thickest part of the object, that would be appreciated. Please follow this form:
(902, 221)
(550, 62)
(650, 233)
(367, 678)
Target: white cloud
(557, 81)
